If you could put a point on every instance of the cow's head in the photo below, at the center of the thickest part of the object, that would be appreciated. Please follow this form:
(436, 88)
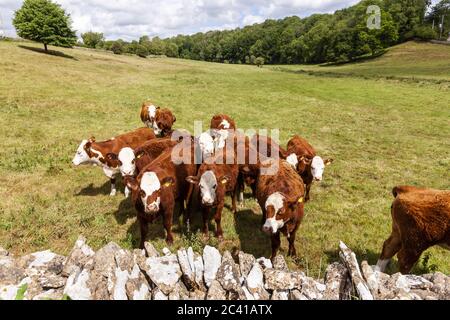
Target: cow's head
(318, 166)
(125, 160)
(206, 144)
(164, 121)
(85, 154)
(148, 114)
(212, 187)
(150, 190)
(280, 209)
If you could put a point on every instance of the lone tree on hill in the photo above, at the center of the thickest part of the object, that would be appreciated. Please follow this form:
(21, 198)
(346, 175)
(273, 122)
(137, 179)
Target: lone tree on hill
(45, 22)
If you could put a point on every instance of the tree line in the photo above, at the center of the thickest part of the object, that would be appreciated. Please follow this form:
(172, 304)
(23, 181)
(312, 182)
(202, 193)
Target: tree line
(339, 37)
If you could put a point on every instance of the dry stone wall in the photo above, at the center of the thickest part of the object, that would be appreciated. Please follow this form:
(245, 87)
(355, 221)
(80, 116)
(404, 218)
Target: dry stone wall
(113, 273)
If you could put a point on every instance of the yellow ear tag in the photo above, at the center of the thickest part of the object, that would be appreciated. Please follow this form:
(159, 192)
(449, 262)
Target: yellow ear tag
(167, 184)
(224, 181)
(300, 200)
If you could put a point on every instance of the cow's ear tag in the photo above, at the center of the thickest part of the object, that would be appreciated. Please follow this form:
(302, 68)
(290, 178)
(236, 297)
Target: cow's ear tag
(300, 200)
(139, 155)
(224, 181)
(167, 184)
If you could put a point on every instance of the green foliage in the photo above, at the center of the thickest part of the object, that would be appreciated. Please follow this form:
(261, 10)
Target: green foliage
(259, 62)
(142, 51)
(426, 266)
(117, 47)
(21, 292)
(425, 33)
(93, 39)
(45, 22)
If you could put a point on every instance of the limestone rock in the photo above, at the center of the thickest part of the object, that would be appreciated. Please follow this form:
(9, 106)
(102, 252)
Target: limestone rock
(10, 272)
(312, 289)
(280, 295)
(441, 285)
(279, 263)
(157, 294)
(265, 263)
(150, 250)
(255, 283)
(212, 261)
(80, 255)
(180, 292)
(246, 262)
(216, 292)
(337, 282)
(197, 295)
(186, 261)
(297, 295)
(228, 276)
(199, 271)
(41, 262)
(164, 272)
(77, 287)
(282, 280)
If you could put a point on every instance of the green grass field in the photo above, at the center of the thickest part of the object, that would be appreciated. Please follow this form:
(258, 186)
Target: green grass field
(380, 132)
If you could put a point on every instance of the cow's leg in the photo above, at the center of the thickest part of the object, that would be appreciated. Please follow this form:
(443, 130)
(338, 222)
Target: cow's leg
(390, 248)
(218, 220)
(276, 242)
(188, 212)
(113, 186)
(143, 224)
(234, 200)
(205, 212)
(408, 256)
(127, 192)
(308, 188)
(167, 221)
(292, 252)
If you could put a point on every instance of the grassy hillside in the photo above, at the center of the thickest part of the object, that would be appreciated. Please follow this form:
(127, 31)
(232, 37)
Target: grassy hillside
(410, 60)
(381, 133)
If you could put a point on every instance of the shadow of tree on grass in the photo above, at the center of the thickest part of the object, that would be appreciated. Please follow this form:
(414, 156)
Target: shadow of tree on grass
(49, 52)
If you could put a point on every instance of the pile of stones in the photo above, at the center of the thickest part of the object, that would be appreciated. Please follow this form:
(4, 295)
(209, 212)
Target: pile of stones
(113, 273)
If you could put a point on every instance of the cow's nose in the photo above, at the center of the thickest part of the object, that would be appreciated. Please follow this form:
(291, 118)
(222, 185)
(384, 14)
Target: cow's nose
(267, 229)
(318, 179)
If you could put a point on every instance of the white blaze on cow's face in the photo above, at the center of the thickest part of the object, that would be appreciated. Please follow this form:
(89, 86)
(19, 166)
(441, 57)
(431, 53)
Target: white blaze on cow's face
(208, 187)
(206, 144)
(272, 225)
(292, 160)
(81, 155)
(149, 185)
(317, 168)
(127, 160)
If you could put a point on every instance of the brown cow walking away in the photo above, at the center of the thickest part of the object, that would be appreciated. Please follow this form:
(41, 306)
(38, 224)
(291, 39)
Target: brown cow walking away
(420, 220)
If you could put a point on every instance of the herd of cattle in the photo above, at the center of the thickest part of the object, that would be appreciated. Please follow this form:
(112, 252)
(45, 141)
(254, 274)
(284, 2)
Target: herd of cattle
(162, 167)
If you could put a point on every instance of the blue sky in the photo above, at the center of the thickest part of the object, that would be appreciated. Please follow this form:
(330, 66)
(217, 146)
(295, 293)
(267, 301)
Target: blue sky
(130, 19)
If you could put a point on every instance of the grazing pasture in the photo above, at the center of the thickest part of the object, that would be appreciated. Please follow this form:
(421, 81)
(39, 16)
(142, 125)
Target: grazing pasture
(381, 133)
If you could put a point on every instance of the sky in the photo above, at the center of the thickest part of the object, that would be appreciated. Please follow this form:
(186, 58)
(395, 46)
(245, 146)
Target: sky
(130, 19)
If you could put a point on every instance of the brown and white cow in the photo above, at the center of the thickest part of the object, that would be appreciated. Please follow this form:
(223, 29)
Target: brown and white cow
(281, 198)
(222, 126)
(158, 119)
(157, 188)
(215, 179)
(302, 156)
(420, 220)
(95, 153)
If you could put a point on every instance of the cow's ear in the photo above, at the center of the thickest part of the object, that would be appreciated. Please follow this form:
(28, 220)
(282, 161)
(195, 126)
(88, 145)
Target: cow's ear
(246, 170)
(174, 119)
(328, 161)
(92, 139)
(295, 201)
(112, 156)
(305, 160)
(167, 182)
(139, 154)
(224, 179)
(131, 183)
(192, 179)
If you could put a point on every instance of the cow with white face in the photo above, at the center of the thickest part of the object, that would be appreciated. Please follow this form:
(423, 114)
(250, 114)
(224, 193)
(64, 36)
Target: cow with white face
(160, 120)
(157, 188)
(91, 152)
(206, 144)
(281, 198)
(222, 126)
(303, 158)
(215, 181)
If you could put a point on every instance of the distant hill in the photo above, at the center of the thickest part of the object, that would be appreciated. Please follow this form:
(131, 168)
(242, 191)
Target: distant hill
(410, 60)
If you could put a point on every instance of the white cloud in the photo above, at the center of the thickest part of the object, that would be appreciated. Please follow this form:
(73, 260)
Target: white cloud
(130, 19)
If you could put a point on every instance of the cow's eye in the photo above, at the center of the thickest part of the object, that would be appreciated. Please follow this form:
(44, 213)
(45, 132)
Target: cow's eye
(133, 161)
(142, 194)
(215, 186)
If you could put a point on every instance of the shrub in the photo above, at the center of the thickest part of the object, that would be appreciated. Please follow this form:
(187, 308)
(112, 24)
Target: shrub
(117, 47)
(425, 33)
(142, 51)
(259, 62)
